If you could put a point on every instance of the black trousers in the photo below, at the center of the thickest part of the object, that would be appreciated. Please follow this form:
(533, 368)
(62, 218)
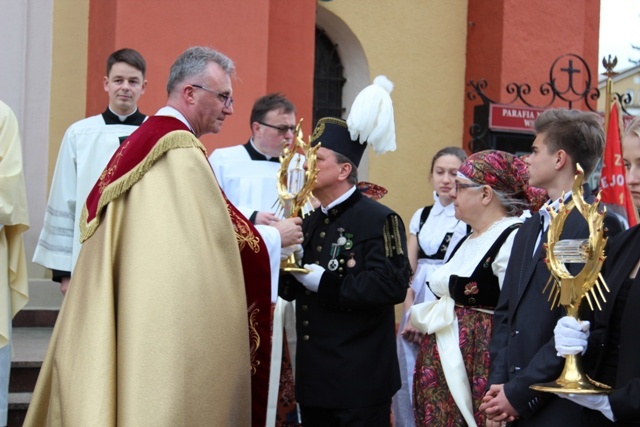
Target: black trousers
(374, 416)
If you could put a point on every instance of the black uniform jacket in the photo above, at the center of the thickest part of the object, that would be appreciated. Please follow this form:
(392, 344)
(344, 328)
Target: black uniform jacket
(346, 353)
(623, 254)
(522, 347)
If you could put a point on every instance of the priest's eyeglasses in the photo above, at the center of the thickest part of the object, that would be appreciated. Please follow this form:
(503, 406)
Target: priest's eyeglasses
(282, 130)
(461, 186)
(227, 100)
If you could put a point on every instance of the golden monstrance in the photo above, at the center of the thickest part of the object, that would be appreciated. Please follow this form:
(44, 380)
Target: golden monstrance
(567, 290)
(295, 184)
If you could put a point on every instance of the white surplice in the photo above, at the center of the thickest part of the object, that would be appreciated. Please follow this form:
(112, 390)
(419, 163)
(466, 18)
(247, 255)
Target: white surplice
(86, 149)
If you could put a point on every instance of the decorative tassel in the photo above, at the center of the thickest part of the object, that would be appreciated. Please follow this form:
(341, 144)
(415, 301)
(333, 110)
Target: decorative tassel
(371, 116)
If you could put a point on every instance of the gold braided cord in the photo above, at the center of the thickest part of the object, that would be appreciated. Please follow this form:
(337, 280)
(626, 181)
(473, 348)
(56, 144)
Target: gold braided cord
(175, 139)
(392, 237)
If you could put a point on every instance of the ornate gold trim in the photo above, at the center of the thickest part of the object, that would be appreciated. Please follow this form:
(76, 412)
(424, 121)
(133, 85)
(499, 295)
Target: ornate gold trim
(110, 192)
(254, 337)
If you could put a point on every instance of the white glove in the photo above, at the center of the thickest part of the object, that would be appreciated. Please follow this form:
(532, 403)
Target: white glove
(298, 252)
(570, 336)
(287, 251)
(597, 402)
(310, 280)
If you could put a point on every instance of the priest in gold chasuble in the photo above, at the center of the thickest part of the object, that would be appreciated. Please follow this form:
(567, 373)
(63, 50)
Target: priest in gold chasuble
(167, 321)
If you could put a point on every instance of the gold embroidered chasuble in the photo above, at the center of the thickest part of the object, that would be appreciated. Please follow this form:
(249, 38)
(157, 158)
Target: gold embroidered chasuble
(153, 330)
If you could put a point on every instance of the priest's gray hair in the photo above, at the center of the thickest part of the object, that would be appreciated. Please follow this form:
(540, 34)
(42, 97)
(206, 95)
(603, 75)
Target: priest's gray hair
(193, 62)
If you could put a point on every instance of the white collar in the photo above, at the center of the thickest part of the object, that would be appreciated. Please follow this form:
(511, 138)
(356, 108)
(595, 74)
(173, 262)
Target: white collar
(439, 209)
(336, 202)
(172, 112)
(546, 216)
(121, 117)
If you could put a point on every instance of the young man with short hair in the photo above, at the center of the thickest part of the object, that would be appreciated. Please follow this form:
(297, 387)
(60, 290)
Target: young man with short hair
(522, 347)
(86, 148)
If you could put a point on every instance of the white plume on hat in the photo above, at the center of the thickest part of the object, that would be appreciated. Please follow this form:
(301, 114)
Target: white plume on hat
(371, 116)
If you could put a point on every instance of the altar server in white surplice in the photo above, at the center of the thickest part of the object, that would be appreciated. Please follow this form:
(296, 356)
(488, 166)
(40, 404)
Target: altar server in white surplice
(247, 173)
(86, 149)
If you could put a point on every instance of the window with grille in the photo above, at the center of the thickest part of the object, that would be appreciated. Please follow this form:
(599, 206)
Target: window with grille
(328, 79)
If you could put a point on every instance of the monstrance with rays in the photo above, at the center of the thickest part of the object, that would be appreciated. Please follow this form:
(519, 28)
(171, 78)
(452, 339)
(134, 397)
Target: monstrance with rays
(295, 183)
(567, 290)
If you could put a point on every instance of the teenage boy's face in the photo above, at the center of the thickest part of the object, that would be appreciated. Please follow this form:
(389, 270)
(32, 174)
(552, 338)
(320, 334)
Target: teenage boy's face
(124, 84)
(541, 163)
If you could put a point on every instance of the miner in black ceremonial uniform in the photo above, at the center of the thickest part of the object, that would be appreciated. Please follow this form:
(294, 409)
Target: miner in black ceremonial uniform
(355, 248)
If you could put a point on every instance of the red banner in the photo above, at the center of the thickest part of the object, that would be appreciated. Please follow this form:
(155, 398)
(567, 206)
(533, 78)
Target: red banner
(612, 179)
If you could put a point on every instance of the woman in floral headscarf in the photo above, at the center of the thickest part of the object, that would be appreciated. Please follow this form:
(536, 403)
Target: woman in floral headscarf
(490, 194)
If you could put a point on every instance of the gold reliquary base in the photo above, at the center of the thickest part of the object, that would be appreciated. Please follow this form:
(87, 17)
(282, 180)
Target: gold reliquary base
(290, 266)
(573, 381)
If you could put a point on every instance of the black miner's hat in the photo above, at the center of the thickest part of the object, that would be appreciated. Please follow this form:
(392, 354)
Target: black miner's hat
(370, 121)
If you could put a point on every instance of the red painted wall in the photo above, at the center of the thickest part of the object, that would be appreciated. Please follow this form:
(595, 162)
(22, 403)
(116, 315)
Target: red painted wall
(101, 44)
(515, 41)
(292, 54)
(271, 42)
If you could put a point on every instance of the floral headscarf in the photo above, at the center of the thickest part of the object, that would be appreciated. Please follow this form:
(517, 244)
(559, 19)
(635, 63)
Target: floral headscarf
(501, 171)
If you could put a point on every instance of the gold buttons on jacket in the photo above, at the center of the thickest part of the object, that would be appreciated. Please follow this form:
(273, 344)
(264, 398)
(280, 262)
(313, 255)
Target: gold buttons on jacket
(305, 323)
(319, 249)
(322, 234)
(305, 337)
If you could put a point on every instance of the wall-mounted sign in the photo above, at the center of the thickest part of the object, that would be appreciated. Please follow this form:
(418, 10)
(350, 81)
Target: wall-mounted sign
(513, 118)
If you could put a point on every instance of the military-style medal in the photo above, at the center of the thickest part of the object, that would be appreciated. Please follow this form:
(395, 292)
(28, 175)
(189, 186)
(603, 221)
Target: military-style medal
(352, 262)
(341, 240)
(349, 243)
(333, 263)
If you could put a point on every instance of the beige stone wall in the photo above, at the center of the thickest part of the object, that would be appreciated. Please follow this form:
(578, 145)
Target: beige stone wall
(627, 82)
(68, 70)
(420, 46)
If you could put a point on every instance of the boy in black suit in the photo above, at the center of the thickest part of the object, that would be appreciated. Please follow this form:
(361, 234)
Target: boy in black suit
(522, 346)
